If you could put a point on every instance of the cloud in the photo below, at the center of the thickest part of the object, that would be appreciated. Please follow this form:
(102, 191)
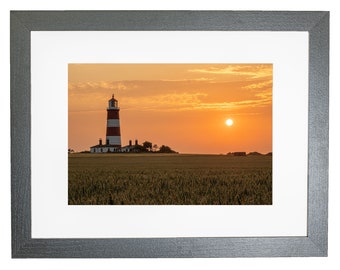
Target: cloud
(193, 101)
(165, 102)
(96, 86)
(251, 103)
(159, 95)
(201, 79)
(259, 85)
(251, 71)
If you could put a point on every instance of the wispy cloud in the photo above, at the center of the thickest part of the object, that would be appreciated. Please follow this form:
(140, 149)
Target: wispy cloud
(177, 95)
(251, 71)
(259, 85)
(200, 79)
(193, 101)
(101, 85)
(252, 103)
(165, 102)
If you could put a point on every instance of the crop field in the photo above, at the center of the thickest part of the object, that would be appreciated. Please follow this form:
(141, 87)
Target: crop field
(169, 179)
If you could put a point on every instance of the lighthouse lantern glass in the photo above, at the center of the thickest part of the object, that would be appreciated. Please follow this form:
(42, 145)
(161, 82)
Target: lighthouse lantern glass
(113, 103)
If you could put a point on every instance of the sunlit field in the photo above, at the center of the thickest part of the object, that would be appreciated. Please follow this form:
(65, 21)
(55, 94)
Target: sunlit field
(169, 179)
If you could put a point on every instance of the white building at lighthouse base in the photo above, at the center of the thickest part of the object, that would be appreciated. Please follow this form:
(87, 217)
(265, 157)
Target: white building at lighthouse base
(108, 148)
(105, 148)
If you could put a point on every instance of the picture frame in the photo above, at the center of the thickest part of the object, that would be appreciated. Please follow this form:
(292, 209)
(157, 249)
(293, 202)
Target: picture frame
(316, 23)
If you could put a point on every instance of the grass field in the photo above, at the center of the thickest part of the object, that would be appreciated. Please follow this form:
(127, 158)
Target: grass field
(159, 179)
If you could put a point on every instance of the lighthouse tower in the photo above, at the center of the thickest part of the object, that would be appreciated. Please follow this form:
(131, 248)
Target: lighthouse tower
(113, 126)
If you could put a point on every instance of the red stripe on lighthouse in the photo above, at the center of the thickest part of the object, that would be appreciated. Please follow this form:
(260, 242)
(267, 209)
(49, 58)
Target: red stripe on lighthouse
(112, 114)
(113, 131)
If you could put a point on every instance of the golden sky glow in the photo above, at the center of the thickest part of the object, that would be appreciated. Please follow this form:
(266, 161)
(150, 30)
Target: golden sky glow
(184, 106)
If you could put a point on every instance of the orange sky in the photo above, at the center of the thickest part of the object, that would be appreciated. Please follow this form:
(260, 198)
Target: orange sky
(184, 106)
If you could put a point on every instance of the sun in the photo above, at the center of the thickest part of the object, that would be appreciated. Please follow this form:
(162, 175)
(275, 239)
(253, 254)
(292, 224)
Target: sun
(229, 122)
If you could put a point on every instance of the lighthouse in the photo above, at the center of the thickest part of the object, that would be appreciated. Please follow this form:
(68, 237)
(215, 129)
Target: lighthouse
(113, 125)
(113, 141)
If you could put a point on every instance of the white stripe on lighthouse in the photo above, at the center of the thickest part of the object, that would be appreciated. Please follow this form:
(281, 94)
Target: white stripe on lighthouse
(115, 140)
(113, 122)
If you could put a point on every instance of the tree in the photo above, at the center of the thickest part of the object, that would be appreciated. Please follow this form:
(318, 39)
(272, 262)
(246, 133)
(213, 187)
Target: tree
(147, 145)
(165, 149)
(70, 151)
(155, 147)
(140, 148)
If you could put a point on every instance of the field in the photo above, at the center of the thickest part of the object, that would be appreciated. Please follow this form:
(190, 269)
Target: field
(173, 179)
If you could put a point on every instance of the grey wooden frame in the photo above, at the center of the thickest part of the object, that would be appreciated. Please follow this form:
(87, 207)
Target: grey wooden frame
(317, 25)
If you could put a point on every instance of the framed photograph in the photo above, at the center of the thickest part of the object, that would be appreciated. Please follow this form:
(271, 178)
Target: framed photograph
(193, 120)
(169, 133)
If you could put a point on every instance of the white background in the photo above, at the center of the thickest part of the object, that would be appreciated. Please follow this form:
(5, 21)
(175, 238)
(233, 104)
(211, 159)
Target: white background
(332, 262)
(50, 54)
